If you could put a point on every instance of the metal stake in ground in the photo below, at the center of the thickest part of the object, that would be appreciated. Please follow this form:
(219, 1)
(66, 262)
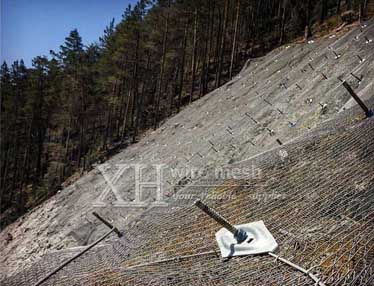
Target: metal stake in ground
(238, 233)
(112, 229)
(367, 111)
(356, 77)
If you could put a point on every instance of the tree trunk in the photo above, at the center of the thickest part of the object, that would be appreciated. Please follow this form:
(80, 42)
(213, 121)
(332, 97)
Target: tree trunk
(362, 10)
(4, 173)
(235, 37)
(40, 129)
(16, 143)
(82, 128)
(107, 127)
(222, 47)
(218, 37)
(124, 129)
(210, 47)
(119, 104)
(338, 6)
(163, 59)
(211, 33)
(308, 31)
(193, 64)
(134, 88)
(365, 11)
(283, 22)
(323, 11)
(136, 96)
(205, 56)
(174, 88)
(67, 142)
(81, 152)
(141, 103)
(181, 76)
(25, 167)
(349, 4)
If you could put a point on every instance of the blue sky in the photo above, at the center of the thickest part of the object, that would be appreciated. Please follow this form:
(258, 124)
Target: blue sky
(31, 28)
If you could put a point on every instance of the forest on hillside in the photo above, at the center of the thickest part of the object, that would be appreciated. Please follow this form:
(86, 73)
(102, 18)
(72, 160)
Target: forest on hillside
(83, 103)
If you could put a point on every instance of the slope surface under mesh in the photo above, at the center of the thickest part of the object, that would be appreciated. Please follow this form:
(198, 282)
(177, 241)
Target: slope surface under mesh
(315, 195)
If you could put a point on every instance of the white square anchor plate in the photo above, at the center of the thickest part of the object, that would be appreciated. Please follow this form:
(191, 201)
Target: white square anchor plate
(259, 240)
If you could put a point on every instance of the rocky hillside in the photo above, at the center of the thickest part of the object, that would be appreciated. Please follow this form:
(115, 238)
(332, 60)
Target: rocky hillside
(274, 100)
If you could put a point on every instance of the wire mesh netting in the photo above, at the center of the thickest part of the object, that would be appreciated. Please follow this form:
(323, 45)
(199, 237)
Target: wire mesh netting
(315, 195)
(277, 97)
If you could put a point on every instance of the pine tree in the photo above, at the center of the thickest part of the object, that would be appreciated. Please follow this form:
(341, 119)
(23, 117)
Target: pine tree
(63, 114)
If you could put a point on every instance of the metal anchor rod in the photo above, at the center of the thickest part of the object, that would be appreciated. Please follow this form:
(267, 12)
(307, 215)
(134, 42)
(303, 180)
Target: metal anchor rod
(72, 259)
(68, 261)
(239, 234)
(216, 216)
(108, 224)
(367, 111)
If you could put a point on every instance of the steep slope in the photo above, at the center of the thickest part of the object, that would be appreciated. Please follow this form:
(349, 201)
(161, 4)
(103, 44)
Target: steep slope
(280, 96)
(315, 194)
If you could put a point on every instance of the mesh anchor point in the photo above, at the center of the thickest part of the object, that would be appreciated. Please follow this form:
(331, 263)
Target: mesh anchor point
(239, 234)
